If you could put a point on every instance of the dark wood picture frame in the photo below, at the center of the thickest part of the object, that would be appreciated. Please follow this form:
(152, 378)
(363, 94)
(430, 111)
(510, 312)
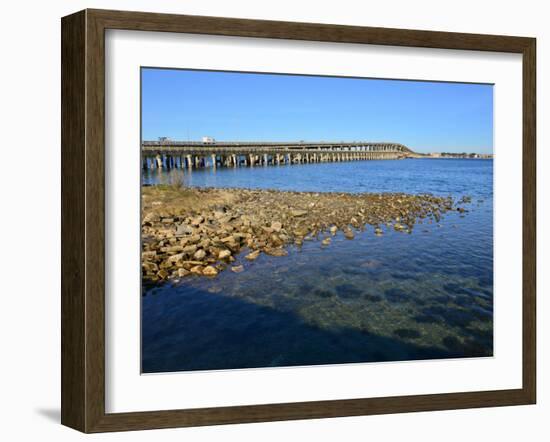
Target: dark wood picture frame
(83, 220)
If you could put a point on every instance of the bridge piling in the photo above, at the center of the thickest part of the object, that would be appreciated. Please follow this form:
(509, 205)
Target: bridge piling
(189, 155)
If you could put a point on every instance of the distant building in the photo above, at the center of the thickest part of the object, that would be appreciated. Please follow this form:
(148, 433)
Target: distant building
(208, 140)
(163, 139)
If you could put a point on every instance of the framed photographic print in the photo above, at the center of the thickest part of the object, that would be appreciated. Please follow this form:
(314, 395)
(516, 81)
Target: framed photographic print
(270, 220)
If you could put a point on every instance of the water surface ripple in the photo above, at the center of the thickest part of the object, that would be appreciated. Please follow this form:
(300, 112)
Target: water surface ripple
(396, 297)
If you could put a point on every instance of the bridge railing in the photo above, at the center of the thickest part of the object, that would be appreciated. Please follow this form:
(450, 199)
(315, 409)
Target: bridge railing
(266, 146)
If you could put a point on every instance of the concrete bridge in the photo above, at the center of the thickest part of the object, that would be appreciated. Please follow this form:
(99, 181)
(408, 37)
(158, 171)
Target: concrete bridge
(196, 154)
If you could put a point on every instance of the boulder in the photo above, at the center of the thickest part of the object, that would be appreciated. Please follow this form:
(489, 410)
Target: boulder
(252, 256)
(199, 254)
(149, 254)
(172, 249)
(149, 266)
(276, 240)
(177, 257)
(197, 270)
(193, 239)
(298, 213)
(151, 218)
(197, 220)
(205, 243)
(237, 269)
(184, 229)
(209, 271)
(183, 272)
(190, 250)
(162, 274)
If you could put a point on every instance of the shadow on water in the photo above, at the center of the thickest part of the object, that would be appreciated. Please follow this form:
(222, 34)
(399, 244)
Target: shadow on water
(225, 332)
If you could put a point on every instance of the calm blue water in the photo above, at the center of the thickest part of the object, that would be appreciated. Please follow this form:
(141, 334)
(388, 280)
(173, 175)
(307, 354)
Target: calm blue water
(395, 297)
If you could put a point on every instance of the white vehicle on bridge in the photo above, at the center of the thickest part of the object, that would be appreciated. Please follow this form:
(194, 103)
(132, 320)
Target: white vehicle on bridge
(208, 140)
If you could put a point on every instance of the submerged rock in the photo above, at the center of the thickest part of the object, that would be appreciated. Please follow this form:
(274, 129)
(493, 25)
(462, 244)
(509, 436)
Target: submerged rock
(276, 252)
(348, 234)
(252, 256)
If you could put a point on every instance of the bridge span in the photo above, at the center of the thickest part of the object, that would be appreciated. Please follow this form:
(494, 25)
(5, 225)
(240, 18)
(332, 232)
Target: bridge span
(196, 154)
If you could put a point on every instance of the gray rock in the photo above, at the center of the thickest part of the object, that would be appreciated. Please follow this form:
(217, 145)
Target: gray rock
(184, 229)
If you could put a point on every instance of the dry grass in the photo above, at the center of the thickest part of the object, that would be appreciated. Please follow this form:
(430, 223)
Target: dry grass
(179, 200)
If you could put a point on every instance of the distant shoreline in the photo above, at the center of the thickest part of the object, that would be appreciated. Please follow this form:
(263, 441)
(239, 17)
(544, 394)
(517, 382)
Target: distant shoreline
(450, 156)
(430, 157)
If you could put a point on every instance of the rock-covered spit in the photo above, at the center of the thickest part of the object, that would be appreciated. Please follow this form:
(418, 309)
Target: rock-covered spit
(193, 231)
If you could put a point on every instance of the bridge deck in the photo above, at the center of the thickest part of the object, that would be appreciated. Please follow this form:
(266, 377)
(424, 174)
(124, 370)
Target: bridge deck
(233, 147)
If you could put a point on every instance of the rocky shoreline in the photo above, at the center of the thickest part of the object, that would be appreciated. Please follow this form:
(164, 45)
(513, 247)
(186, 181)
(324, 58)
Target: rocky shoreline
(199, 231)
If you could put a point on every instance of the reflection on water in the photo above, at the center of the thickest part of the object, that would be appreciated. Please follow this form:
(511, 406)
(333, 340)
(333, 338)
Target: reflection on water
(395, 297)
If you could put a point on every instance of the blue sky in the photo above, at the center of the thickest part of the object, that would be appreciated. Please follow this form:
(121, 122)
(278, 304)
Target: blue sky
(425, 116)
